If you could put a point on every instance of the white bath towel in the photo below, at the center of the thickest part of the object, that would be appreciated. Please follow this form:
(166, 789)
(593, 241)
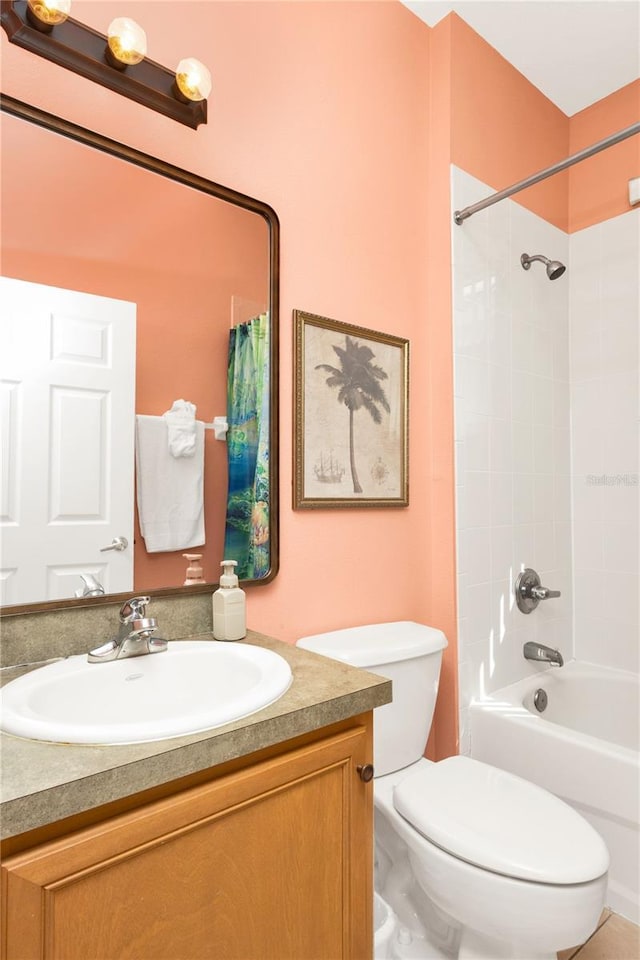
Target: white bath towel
(169, 490)
(181, 424)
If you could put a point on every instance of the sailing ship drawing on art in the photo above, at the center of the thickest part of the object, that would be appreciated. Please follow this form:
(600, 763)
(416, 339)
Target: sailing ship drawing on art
(328, 469)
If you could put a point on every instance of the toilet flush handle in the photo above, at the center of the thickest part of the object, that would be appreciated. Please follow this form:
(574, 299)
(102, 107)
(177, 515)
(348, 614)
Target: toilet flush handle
(365, 772)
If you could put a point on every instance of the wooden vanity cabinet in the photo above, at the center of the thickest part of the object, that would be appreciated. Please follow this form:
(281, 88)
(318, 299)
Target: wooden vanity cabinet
(269, 861)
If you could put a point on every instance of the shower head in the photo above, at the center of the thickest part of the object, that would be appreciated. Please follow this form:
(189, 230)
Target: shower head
(555, 269)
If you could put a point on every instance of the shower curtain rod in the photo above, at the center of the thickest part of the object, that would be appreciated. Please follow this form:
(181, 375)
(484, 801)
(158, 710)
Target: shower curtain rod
(461, 215)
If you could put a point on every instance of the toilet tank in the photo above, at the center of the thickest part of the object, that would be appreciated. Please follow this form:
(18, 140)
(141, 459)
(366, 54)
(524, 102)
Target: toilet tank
(407, 653)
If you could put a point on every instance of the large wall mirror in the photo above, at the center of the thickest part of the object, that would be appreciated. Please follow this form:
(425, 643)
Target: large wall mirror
(129, 285)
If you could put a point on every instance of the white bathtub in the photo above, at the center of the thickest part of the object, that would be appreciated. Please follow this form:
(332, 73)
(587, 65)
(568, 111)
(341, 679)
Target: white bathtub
(583, 747)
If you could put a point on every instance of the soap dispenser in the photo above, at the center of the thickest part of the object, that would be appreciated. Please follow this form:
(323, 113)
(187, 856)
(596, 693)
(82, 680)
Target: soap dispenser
(229, 606)
(194, 570)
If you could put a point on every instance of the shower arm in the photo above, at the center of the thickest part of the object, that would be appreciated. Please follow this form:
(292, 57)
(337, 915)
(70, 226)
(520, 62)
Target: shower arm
(461, 215)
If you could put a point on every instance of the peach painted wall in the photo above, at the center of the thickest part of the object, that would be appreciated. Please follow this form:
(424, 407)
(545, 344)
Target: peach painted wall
(319, 109)
(598, 186)
(503, 128)
(438, 422)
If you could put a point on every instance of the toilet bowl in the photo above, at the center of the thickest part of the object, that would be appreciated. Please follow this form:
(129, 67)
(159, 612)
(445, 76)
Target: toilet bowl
(516, 871)
(476, 863)
(384, 928)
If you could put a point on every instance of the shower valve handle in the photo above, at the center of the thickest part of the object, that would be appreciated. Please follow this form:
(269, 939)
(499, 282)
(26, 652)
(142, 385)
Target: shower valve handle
(529, 591)
(544, 593)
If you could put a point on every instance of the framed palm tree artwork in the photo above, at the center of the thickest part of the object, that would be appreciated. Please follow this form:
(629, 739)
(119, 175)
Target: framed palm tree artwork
(350, 416)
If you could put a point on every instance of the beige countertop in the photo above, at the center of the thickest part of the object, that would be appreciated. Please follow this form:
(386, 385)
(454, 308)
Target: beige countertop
(44, 782)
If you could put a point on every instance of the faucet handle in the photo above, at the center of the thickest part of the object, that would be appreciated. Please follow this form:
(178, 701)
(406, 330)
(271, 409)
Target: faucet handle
(134, 609)
(544, 593)
(529, 591)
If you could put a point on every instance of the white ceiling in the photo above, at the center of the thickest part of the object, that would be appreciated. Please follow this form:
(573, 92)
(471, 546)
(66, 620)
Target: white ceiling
(575, 51)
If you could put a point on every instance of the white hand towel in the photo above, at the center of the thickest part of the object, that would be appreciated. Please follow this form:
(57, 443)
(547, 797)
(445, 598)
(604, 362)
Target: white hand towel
(181, 424)
(169, 490)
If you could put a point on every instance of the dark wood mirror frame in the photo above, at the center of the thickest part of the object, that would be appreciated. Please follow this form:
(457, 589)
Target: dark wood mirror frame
(82, 135)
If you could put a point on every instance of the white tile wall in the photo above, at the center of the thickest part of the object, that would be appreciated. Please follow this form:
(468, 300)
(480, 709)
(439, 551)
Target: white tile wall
(511, 378)
(604, 345)
(547, 405)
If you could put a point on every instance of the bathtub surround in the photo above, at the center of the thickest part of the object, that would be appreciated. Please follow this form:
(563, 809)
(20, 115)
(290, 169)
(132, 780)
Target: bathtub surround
(604, 329)
(511, 389)
(558, 364)
(604, 352)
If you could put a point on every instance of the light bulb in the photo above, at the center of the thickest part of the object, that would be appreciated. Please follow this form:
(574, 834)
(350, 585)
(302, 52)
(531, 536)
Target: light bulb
(127, 42)
(193, 79)
(46, 14)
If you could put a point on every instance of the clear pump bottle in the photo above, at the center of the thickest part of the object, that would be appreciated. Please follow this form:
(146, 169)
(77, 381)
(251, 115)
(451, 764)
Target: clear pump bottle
(229, 606)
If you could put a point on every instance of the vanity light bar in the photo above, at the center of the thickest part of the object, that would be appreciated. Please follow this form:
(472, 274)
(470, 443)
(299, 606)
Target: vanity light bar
(81, 49)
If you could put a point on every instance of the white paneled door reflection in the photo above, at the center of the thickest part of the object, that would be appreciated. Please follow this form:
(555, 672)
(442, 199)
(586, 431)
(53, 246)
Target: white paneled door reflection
(67, 373)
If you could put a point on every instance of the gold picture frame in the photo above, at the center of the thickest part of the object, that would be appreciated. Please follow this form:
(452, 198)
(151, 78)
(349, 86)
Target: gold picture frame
(350, 415)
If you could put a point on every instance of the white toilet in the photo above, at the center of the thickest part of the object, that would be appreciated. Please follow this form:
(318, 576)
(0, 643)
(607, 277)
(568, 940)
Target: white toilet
(476, 863)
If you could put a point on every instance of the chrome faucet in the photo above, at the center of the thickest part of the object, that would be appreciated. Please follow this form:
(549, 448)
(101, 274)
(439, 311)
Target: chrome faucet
(92, 587)
(538, 651)
(135, 636)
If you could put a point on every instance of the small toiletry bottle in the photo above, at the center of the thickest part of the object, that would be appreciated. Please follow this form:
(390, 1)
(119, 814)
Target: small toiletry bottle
(194, 570)
(229, 603)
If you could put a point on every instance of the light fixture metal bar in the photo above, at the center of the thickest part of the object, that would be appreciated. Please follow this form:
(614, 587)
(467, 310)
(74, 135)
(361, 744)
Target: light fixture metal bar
(461, 215)
(81, 49)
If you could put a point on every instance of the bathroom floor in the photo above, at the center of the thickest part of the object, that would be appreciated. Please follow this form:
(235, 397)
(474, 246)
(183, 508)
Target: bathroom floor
(615, 939)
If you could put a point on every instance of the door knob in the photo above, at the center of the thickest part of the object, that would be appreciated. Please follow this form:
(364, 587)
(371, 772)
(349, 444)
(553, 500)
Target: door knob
(365, 772)
(118, 543)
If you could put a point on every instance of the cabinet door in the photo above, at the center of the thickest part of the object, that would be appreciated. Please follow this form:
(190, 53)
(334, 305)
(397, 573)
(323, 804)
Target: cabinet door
(270, 863)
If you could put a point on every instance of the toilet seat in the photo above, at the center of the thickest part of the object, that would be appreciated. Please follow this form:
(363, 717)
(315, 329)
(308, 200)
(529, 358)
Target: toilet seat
(500, 822)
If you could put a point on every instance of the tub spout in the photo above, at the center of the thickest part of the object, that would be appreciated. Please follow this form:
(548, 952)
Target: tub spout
(538, 651)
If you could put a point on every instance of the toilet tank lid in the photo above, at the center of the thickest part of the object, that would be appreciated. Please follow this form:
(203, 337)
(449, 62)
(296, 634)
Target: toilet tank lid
(377, 643)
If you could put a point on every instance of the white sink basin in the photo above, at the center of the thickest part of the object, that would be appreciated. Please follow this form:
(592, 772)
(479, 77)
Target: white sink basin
(195, 685)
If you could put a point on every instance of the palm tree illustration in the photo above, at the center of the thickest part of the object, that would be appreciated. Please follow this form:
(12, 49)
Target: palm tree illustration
(358, 383)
